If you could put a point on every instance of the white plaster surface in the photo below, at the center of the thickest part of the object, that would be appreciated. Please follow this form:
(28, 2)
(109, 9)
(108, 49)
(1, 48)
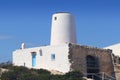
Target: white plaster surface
(115, 48)
(63, 29)
(61, 62)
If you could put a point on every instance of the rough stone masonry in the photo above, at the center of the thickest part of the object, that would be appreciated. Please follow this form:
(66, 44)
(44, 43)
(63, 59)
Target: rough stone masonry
(80, 57)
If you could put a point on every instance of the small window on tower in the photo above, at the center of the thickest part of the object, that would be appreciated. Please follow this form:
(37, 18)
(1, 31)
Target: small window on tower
(55, 18)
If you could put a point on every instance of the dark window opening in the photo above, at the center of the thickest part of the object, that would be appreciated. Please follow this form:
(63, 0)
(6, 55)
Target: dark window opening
(119, 60)
(41, 54)
(52, 57)
(55, 18)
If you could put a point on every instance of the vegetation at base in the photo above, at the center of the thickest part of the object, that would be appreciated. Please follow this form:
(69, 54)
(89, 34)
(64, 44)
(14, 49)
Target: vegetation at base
(23, 73)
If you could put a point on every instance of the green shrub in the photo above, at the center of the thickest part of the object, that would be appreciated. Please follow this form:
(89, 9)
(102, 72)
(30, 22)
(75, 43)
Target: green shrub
(23, 73)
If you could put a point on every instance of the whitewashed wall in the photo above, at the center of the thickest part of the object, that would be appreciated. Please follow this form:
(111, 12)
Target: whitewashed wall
(115, 49)
(61, 62)
(63, 29)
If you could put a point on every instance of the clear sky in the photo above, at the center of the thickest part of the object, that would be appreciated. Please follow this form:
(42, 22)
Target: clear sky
(29, 21)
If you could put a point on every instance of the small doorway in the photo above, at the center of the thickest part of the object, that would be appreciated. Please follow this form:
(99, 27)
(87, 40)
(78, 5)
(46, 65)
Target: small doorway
(33, 59)
(92, 66)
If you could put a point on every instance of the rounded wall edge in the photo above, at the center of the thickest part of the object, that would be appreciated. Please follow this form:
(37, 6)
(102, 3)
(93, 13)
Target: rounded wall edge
(63, 29)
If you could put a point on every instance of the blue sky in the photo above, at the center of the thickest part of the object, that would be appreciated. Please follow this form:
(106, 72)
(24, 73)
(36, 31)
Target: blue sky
(29, 21)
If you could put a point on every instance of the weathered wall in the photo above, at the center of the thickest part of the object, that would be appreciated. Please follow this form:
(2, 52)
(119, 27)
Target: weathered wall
(77, 56)
(117, 75)
(117, 71)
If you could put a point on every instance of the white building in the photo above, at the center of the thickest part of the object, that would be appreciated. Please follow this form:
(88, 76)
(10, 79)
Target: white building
(46, 57)
(63, 29)
(115, 49)
(54, 56)
(63, 54)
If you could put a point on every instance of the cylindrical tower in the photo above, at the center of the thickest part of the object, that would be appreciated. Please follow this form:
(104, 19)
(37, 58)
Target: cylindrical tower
(63, 29)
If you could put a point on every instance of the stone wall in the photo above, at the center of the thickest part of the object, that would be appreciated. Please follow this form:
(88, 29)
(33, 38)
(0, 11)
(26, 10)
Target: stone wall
(117, 71)
(77, 58)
